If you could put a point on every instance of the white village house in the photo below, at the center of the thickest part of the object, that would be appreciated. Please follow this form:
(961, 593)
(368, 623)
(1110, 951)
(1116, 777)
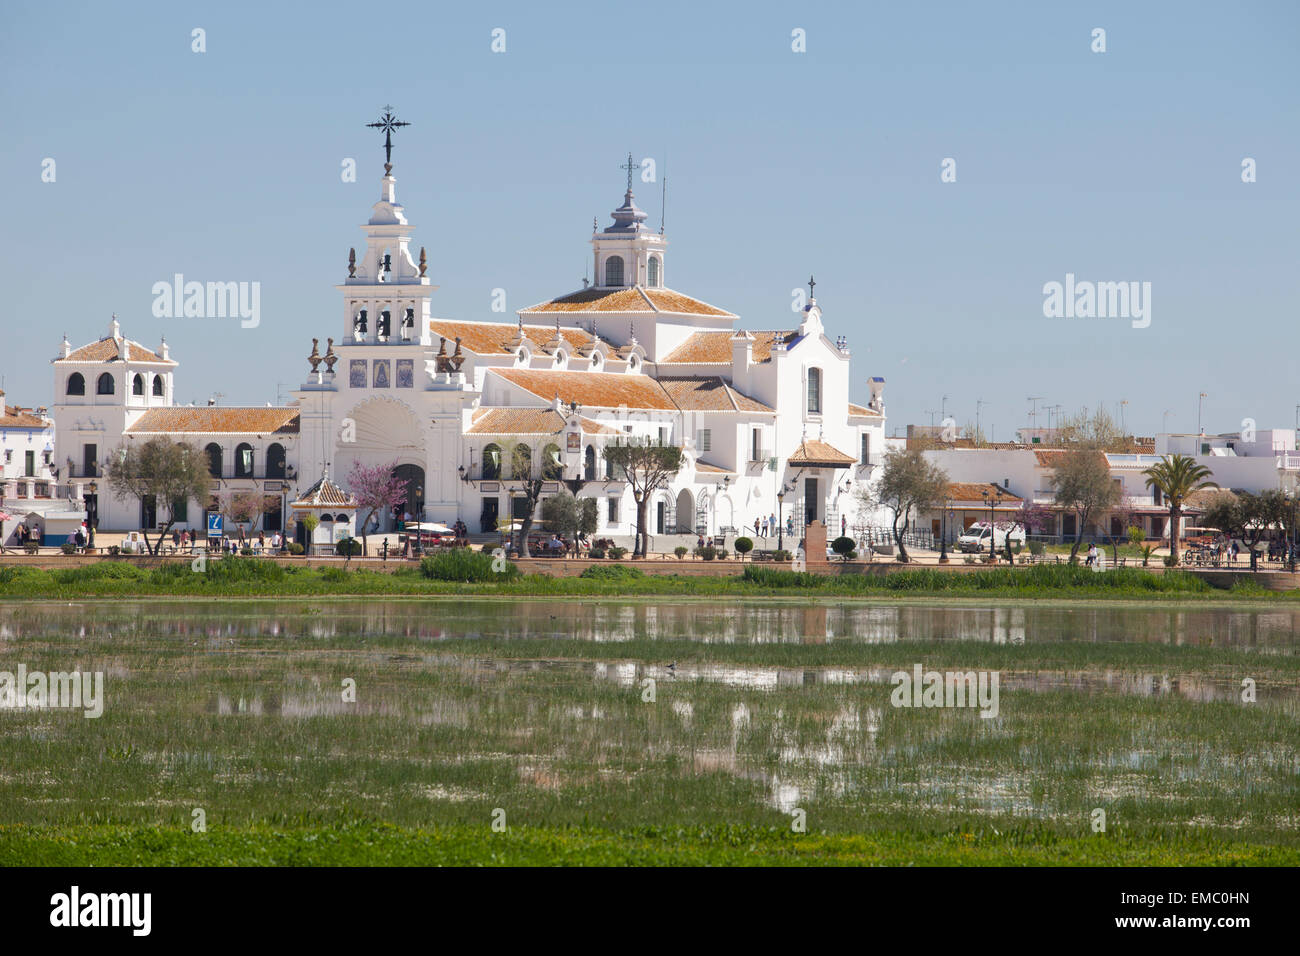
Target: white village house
(763, 417)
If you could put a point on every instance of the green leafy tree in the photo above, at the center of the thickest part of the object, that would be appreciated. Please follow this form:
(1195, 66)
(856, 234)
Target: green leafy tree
(909, 483)
(161, 469)
(646, 467)
(310, 522)
(1176, 477)
(570, 515)
(1081, 483)
(1247, 516)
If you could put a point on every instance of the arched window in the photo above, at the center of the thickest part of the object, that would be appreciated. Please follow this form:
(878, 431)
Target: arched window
(609, 469)
(214, 460)
(137, 384)
(491, 462)
(158, 385)
(814, 391)
(552, 465)
(76, 384)
(614, 270)
(243, 460)
(105, 385)
(652, 272)
(275, 461)
(521, 462)
(589, 464)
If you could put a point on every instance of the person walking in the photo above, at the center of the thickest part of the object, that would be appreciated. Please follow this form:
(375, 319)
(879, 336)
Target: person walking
(756, 528)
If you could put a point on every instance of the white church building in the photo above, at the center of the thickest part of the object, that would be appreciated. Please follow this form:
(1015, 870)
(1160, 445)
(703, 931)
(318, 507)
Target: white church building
(467, 409)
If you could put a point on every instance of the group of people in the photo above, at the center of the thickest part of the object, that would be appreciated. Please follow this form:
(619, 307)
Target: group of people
(768, 527)
(186, 540)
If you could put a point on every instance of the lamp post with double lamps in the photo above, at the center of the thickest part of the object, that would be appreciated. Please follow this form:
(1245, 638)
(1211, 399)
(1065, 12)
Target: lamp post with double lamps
(780, 516)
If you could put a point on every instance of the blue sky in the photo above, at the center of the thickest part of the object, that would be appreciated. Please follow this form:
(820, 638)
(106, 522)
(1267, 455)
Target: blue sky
(225, 166)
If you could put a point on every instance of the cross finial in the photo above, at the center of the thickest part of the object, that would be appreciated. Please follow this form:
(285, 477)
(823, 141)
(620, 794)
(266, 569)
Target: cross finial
(629, 166)
(387, 122)
(811, 286)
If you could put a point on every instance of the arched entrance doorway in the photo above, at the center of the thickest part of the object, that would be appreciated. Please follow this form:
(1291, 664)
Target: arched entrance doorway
(685, 512)
(412, 478)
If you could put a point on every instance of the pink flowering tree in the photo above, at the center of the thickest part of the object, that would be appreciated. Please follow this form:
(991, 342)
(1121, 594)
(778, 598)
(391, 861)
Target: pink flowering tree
(376, 488)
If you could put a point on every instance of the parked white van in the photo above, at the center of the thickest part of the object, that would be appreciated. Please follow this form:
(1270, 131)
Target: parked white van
(976, 538)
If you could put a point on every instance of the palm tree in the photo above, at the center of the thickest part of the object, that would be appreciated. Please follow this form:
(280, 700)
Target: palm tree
(1177, 476)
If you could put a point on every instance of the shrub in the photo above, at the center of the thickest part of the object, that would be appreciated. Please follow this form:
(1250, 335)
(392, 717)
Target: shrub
(680, 551)
(708, 552)
(616, 553)
(462, 564)
(743, 546)
(842, 546)
(782, 555)
(597, 553)
(722, 554)
(348, 547)
(489, 547)
(31, 547)
(296, 548)
(1036, 548)
(114, 550)
(611, 572)
(68, 547)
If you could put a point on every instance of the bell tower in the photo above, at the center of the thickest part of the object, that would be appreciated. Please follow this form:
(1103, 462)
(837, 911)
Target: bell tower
(628, 253)
(386, 294)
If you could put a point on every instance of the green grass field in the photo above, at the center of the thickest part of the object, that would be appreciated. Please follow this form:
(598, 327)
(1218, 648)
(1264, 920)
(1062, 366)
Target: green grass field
(464, 573)
(537, 711)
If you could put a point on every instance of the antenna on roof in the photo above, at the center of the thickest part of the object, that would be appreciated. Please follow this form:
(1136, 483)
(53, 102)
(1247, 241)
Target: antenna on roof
(663, 201)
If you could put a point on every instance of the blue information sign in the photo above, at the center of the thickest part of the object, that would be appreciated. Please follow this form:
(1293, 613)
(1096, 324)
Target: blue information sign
(214, 526)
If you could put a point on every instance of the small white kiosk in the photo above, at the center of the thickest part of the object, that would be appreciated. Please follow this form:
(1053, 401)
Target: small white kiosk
(335, 510)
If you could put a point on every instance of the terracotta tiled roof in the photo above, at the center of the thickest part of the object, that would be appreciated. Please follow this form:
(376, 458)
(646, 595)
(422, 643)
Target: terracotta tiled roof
(12, 416)
(324, 494)
(974, 491)
(216, 420)
(709, 394)
(861, 411)
(1052, 458)
(493, 338)
(714, 348)
(814, 453)
(596, 389)
(106, 350)
(635, 299)
(530, 421)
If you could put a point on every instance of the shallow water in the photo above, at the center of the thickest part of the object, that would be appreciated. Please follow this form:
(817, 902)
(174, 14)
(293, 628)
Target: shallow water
(465, 705)
(724, 622)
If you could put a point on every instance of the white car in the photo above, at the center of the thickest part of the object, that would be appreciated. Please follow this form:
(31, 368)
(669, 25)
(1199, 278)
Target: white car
(977, 537)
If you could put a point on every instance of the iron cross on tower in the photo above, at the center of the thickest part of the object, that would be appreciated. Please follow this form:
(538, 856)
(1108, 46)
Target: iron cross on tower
(388, 122)
(630, 166)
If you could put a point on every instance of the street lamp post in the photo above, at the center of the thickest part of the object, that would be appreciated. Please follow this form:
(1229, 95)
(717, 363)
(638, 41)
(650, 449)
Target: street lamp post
(943, 530)
(419, 520)
(780, 519)
(993, 531)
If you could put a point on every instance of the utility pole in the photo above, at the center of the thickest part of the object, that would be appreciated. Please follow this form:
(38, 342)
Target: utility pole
(1200, 402)
(979, 403)
(1122, 427)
